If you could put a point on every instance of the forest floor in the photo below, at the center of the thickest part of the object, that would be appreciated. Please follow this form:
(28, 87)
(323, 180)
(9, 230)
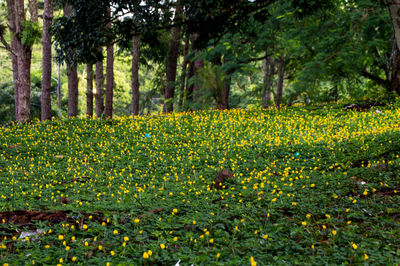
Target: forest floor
(300, 185)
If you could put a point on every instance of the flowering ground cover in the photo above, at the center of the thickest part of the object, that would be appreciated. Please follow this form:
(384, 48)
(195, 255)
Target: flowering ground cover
(313, 185)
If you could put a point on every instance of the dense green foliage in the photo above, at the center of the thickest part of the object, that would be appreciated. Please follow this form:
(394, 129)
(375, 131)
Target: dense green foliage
(311, 185)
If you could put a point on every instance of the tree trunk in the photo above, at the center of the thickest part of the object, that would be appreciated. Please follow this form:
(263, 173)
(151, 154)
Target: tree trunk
(394, 12)
(23, 54)
(12, 28)
(279, 87)
(198, 64)
(46, 61)
(184, 74)
(135, 75)
(89, 90)
(269, 72)
(72, 74)
(172, 60)
(33, 10)
(110, 78)
(99, 99)
(223, 94)
(189, 87)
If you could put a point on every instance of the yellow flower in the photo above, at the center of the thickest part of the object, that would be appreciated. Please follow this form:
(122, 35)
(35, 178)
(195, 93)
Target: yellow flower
(294, 203)
(265, 236)
(303, 223)
(115, 232)
(145, 255)
(174, 210)
(47, 246)
(150, 252)
(84, 226)
(67, 248)
(194, 222)
(327, 216)
(136, 221)
(218, 255)
(162, 246)
(100, 247)
(366, 256)
(354, 246)
(126, 239)
(211, 240)
(73, 258)
(308, 216)
(252, 261)
(60, 237)
(334, 232)
(112, 253)
(175, 239)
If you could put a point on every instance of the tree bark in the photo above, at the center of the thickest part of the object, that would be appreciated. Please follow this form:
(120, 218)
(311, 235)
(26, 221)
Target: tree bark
(184, 74)
(12, 28)
(189, 87)
(72, 74)
(46, 61)
(223, 94)
(89, 90)
(135, 75)
(394, 12)
(33, 10)
(110, 78)
(269, 72)
(99, 99)
(23, 64)
(198, 64)
(172, 61)
(279, 87)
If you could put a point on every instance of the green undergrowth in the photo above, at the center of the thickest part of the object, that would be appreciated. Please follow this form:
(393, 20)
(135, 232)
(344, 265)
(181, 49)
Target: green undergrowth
(313, 185)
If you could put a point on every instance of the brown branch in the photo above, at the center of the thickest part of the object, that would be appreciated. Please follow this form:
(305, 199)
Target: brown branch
(378, 80)
(6, 45)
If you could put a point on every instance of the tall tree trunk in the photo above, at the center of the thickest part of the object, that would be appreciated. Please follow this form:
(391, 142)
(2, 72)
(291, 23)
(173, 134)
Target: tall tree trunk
(135, 75)
(223, 94)
(110, 78)
(46, 61)
(172, 60)
(198, 64)
(279, 86)
(184, 74)
(12, 28)
(33, 10)
(269, 72)
(24, 55)
(189, 87)
(99, 88)
(89, 90)
(72, 74)
(394, 12)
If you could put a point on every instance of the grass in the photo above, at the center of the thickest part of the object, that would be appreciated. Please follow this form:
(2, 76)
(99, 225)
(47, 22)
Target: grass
(311, 186)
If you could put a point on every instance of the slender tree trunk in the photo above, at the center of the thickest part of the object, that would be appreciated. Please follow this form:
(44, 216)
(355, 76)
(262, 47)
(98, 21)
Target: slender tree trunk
(198, 64)
(89, 90)
(99, 99)
(110, 78)
(12, 28)
(279, 87)
(394, 12)
(72, 74)
(184, 74)
(135, 75)
(223, 94)
(46, 61)
(172, 61)
(189, 87)
(269, 72)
